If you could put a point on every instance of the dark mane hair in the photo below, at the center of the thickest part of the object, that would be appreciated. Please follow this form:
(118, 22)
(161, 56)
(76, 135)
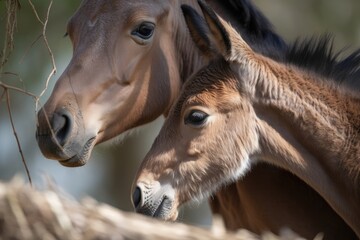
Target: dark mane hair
(255, 28)
(316, 54)
(313, 54)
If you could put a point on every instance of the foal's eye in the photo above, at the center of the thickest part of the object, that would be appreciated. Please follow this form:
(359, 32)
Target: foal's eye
(196, 118)
(144, 31)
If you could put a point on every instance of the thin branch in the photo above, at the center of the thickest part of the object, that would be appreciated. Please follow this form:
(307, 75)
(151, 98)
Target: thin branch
(5, 86)
(11, 7)
(16, 136)
(44, 24)
(35, 12)
(14, 75)
(2, 94)
(28, 49)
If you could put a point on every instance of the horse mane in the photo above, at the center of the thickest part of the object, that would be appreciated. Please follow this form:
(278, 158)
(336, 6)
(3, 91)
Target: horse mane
(316, 54)
(256, 29)
(313, 54)
(250, 17)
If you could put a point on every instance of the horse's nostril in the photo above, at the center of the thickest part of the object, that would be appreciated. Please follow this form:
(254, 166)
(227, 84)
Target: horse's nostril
(62, 126)
(136, 198)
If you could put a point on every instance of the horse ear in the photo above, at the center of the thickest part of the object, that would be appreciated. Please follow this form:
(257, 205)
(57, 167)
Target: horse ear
(219, 34)
(199, 30)
(209, 34)
(213, 35)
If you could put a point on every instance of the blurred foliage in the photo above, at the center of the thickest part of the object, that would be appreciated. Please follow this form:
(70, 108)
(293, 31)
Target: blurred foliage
(108, 175)
(293, 19)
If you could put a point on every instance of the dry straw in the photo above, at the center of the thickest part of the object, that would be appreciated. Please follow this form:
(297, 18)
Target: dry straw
(26, 213)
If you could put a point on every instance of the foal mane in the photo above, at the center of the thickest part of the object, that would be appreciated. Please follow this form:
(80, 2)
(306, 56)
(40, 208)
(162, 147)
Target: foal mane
(313, 54)
(316, 54)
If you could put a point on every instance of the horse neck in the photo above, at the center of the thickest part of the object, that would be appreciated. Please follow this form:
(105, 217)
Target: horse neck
(311, 129)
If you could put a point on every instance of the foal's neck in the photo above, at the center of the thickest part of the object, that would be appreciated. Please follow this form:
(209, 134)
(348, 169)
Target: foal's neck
(311, 128)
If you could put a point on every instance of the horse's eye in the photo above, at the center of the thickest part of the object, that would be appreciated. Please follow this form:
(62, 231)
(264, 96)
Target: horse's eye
(196, 118)
(144, 31)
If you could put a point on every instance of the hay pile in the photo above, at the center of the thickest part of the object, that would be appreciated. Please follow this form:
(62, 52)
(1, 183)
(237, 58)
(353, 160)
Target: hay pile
(26, 213)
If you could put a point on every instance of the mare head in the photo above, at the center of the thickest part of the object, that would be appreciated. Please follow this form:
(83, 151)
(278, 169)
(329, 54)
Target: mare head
(130, 59)
(210, 134)
(124, 72)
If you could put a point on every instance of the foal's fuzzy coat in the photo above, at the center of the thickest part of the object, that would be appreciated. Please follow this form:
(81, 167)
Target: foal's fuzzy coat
(243, 108)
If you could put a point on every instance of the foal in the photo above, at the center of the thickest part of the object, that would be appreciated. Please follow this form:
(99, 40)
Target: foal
(243, 108)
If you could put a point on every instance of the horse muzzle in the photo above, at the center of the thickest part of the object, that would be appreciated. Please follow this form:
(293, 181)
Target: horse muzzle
(60, 138)
(155, 200)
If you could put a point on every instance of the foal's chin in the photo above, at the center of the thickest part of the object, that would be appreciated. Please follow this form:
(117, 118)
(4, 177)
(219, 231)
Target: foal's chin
(162, 214)
(173, 216)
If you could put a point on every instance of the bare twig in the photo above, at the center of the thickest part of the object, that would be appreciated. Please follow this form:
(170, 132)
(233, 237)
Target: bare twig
(16, 136)
(35, 12)
(44, 24)
(11, 18)
(28, 49)
(2, 95)
(11, 9)
(14, 75)
(6, 86)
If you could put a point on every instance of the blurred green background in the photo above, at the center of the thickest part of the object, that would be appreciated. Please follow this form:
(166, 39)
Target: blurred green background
(108, 175)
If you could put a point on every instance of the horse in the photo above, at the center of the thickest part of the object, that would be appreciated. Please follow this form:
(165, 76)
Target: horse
(130, 59)
(244, 108)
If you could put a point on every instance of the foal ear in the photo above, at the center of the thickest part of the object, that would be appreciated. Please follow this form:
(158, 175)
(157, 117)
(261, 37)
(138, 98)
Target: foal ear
(210, 36)
(219, 34)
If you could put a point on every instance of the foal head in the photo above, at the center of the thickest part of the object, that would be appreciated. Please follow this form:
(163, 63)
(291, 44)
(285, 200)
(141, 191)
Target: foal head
(211, 132)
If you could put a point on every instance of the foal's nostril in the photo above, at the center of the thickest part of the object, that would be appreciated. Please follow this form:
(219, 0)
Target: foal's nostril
(62, 125)
(136, 198)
